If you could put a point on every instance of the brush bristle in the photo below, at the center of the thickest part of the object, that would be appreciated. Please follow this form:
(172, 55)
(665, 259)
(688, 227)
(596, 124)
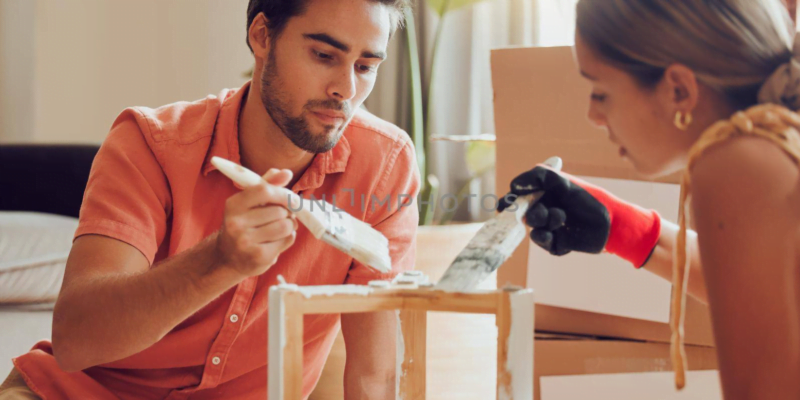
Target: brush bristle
(364, 243)
(371, 248)
(324, 221)
(348, 234)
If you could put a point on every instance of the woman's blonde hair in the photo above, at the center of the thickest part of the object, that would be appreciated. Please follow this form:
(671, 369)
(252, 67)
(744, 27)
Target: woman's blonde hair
(734, 46)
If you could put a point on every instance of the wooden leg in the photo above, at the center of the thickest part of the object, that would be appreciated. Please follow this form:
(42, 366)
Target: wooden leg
(285, 352)
(513, 309)
(503, 321)
(411, 349)
(515, 331)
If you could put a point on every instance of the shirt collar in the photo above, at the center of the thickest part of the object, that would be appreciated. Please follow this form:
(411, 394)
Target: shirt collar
(225, 141)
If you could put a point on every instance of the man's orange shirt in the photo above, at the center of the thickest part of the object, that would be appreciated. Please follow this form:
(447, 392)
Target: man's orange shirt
(153, 187)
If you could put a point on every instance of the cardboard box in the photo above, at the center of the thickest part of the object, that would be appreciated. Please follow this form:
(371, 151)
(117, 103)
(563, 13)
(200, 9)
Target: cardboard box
(540, 111)
(568, 369)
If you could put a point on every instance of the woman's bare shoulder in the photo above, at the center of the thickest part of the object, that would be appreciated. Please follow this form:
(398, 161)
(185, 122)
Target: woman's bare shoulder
(742, 174)
(744, 164)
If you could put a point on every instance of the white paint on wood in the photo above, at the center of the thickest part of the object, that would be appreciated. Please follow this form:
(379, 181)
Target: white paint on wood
(332, 290)
(276, 343)
(520, 346)
(401, 355)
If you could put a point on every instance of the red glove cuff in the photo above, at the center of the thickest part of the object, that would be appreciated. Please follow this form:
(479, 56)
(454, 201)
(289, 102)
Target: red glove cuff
(634, 230)
(634, 233)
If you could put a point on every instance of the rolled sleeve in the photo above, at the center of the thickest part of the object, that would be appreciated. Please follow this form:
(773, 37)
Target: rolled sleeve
(127, 196)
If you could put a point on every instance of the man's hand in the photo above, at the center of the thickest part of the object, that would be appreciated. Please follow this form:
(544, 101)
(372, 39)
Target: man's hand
(133, 304)
(257, 227)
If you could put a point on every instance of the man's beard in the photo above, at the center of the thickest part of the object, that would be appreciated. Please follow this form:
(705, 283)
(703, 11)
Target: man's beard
(296, 128)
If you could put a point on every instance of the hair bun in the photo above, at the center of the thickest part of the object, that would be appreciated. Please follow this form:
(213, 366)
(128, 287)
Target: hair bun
(783, 86)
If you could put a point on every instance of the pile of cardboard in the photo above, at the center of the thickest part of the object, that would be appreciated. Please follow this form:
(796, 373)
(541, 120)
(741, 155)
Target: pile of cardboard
(602, 326)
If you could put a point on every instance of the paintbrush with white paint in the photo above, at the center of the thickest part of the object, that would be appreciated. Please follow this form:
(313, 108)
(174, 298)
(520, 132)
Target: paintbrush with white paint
(327, 223)
(492, 245)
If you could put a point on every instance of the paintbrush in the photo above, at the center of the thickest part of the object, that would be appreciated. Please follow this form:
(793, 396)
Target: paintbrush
(326, 222)
(492, 245)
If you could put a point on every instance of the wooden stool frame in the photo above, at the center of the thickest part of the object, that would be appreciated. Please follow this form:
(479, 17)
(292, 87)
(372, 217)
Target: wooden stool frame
(513, 309)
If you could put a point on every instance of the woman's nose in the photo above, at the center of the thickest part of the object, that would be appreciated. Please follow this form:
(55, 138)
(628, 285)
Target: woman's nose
(596, 117)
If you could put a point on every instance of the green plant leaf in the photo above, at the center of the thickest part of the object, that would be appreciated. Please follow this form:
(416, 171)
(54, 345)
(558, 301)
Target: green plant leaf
(429, 195)
(417, 119)
(480, 157)
(443, 6)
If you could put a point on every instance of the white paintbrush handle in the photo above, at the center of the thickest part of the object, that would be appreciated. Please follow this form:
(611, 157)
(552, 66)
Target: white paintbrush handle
(247, 178)
(237, 173)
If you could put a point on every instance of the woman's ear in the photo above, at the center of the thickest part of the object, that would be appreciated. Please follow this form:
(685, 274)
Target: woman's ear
(682, 90)
(258, 36)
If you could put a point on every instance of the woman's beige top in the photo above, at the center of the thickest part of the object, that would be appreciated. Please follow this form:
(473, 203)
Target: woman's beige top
(769, 121)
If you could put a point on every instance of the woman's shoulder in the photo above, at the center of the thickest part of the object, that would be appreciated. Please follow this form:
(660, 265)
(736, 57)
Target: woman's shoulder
(762, 141)
(743, 157)
(742, 173)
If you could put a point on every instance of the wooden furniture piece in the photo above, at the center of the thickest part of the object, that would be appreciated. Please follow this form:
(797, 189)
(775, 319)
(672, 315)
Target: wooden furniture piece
(411, 297)
(459, 346)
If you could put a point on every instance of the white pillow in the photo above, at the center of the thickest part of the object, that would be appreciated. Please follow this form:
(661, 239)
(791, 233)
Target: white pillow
(33, 254)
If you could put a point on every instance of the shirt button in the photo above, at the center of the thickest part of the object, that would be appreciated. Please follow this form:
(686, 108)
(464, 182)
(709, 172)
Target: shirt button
(234, 318)
(216, 361)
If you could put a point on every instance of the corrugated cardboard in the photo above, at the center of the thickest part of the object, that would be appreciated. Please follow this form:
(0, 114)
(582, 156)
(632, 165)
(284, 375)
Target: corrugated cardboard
(540, 111)
(619, 370)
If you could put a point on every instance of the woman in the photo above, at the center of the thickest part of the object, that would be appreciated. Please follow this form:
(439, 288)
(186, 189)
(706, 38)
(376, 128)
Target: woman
(707, 87)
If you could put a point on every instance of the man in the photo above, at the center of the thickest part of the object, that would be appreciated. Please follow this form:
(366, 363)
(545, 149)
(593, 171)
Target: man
(165, 292)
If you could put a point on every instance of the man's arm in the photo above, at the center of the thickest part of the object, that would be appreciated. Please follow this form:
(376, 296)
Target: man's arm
(113, 304)
(370, 337)
(370, 343)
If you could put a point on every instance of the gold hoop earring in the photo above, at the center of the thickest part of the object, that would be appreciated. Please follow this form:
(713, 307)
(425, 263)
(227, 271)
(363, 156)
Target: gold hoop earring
(682, 121)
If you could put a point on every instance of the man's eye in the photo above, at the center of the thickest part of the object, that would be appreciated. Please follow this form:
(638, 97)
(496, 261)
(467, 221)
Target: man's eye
(323, 56)
(366, 68)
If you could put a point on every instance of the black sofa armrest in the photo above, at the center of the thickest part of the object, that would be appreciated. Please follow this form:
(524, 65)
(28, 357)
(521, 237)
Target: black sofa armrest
(44, 178)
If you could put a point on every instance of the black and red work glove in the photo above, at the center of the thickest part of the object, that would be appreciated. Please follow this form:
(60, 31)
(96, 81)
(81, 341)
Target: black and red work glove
(574, 215)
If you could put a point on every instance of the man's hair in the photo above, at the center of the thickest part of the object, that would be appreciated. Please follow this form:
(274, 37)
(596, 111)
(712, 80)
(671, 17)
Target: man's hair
(279, 12)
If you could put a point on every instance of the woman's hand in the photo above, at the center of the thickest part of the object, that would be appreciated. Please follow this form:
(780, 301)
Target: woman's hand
(574, 215)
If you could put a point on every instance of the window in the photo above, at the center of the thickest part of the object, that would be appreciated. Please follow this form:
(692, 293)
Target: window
(556, 22)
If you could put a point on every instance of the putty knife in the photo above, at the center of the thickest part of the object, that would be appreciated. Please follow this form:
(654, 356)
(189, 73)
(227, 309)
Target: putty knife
(492, 245)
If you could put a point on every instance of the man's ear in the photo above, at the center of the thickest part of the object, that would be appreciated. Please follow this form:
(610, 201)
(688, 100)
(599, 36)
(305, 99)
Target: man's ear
(682, 90)
(258, 36)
